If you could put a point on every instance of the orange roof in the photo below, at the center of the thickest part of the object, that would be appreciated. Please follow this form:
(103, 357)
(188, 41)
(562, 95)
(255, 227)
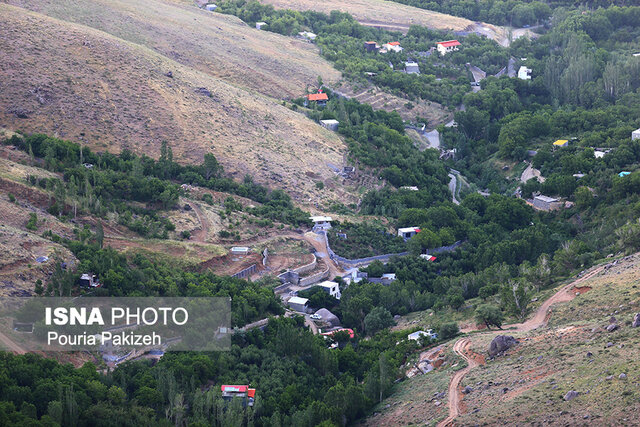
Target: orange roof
(317, 97)
(394, 43)
(251, 392)
(450, 43)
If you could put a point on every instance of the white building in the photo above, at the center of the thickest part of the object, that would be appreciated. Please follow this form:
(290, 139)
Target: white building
(418, 334)
(392, 47)
(524, 73)
(411, 67)
(330, 124)
(408, 232)
(239, 250)
(260, 25)
(298, 304)
(210, 7)
(635, 134)
(448, 46)
(307, 35)
(332, 288)
(321, 222)
(545, 203)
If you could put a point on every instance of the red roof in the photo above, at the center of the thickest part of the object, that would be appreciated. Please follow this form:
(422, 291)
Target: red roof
(431, 258)
(251, 392)
(351, 334)
(317, 97)
(450, 43)
(236, 388)
(394, 43)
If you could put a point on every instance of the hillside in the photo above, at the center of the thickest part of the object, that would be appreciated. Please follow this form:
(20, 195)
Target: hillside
(564, 345)
(219, 45)
(391, 16)
(87, 86)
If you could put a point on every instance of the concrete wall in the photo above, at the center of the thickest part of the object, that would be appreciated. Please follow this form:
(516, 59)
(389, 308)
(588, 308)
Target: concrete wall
(307, 268)
(315, 278)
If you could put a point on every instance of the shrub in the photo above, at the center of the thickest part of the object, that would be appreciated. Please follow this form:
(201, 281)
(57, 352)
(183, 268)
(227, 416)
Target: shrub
(12, 198)
(32, 224)
(186, 234)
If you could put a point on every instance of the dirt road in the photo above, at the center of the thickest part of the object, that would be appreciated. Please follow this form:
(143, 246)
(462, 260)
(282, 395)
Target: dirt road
(319, 244)
(539, 319)
(531, 172)
(461, 347)
(10, 345)
(201, 234)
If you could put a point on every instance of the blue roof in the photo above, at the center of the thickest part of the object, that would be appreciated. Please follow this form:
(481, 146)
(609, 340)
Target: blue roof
(624, 173)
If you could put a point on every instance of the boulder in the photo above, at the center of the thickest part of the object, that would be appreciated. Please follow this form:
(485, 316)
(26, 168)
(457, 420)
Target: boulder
(612, 327)
(636, 320)
(501, 343)
(571, 395)
(467, 390)
(622, 376)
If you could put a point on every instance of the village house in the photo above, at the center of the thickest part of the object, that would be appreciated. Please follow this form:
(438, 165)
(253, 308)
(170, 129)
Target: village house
(260, 25)
(391, 47)
(210, 7)
(635, 134)
(411, 67)
(298, 304)
(371, 46)
(419, 334)
(524, 73)
(321, 222)
(332, 288)
(545, 203)
(330, 124)
(408, 232)
(319, 98)
(561, 143)
(447, 46)
(240, 250)
(307, 35)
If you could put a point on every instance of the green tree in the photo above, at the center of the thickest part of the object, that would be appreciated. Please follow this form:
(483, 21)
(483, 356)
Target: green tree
(516, 298)
(490, 315)
(448, 330)
(116, 395)
(377, 319)
(210, 167)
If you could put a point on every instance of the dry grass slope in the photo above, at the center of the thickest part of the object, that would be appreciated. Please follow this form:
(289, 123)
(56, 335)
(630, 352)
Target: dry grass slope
(85, 85)
(219, 45)
(389, 15)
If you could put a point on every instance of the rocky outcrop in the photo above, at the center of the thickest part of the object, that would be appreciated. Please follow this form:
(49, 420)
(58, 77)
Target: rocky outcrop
(636, 320)
(571, 395)
(500, 344)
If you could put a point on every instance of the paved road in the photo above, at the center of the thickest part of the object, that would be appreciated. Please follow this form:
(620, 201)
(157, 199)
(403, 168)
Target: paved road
(452, 187)
(478, 74)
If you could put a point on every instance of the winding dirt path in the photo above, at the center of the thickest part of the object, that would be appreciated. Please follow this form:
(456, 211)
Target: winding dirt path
(461, 347)
(10, 344)
(539, 319)
(201, 234)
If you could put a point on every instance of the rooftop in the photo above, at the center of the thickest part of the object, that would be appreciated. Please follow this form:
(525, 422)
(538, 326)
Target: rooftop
(409, 229)
(561, 142)
(298, 300)
(394, 43)
(546, 199)
(320, 218)
(449, 43)
(317, 97)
